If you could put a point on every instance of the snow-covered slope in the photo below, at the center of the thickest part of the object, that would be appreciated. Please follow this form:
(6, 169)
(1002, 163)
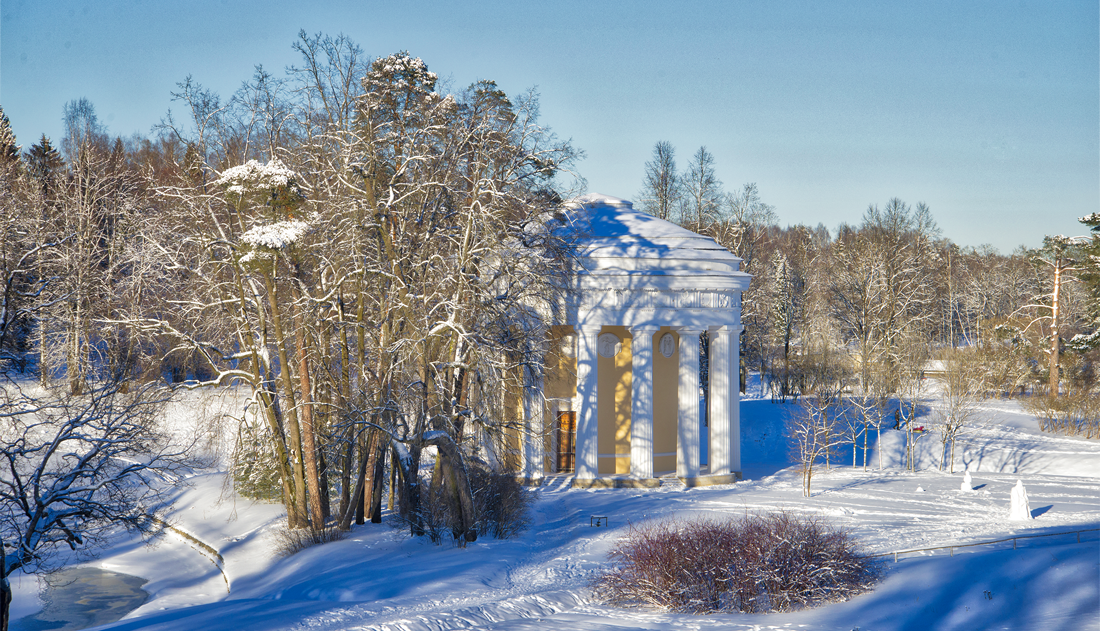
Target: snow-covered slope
(379, 579)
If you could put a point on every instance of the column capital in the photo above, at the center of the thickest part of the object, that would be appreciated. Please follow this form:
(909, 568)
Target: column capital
(644, 328)
(689, 330)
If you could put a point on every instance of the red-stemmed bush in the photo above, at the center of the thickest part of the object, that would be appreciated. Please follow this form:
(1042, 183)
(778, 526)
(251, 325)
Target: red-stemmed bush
(759, 563)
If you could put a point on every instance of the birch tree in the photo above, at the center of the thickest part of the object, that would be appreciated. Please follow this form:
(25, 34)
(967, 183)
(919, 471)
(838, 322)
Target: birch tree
(701, 204)
(958, 401)
(881, 299)
(661, 184)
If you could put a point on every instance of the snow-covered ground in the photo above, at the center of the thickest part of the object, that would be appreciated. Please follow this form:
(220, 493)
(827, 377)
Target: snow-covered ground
(379, 579)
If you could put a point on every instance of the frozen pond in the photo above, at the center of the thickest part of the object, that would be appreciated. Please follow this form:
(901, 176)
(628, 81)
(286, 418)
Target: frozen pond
(83, 597)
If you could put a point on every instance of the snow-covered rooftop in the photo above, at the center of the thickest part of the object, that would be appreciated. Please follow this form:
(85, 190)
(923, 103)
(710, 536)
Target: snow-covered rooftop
(614, 239)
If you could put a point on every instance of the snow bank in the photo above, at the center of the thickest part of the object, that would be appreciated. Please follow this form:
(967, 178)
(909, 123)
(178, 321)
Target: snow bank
(379, 579)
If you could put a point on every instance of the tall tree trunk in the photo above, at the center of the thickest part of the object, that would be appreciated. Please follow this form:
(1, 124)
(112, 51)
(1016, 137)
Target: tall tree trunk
(379, 480)
(393, 482)
(347, 461)
(309, 433)
(298, 513)
(5, 589)
(878, 443)
(344, 394)
(410, 490)
(865, 432)
(1055, 343)
(455, 470)
(364, 459)
(364, 485)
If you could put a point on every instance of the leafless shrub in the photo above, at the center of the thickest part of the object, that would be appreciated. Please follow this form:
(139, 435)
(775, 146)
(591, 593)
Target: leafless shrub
(1072, 414)
(436, 513)
(502, 502)
(760, 563)
(291, 541)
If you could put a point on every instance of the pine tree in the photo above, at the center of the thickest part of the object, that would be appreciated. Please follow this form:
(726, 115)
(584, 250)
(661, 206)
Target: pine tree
(1090, 277)
(9, 151)
(1062, 256)
(45, 165)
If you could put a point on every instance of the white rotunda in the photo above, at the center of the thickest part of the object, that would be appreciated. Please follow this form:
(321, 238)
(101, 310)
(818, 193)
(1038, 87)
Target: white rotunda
(623, 400)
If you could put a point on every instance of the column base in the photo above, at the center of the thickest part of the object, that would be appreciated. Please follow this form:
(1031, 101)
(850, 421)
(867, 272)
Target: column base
(712, 480)
(615, 483)
(623, 482)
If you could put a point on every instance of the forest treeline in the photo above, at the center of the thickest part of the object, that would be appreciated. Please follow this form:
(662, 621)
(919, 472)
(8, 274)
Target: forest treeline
(858, 317)
(377, 263)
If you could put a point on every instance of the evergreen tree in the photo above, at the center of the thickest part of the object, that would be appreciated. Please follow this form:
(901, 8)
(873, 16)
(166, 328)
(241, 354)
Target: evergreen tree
(9, 151)
(45, 165)
(1090, 276)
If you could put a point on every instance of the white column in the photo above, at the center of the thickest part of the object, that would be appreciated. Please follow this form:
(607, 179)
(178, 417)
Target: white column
(687, 444)
(720, 388)
(587, 415)
(641, 402)
(735, 398)
(533, 406)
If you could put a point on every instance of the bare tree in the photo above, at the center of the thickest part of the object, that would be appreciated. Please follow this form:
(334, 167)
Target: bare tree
(381, 270)
(701, 204)
(661, 186)
(914, 352)
(814, 424)
(748, 221)
(745, 227)
(76, 467)
(958, 401)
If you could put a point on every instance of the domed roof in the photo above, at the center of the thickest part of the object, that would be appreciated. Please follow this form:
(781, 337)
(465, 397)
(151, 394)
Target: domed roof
(614, 240)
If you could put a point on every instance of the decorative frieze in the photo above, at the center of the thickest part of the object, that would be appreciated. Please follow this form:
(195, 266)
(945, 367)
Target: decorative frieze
(616, 299)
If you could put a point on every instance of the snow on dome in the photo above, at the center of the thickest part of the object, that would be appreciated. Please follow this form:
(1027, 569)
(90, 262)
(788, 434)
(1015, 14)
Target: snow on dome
(277, 235)
(591, 199)
(611, 234)
(253, 176)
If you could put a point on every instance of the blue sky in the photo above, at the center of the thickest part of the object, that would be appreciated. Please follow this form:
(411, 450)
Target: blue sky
(989, 112)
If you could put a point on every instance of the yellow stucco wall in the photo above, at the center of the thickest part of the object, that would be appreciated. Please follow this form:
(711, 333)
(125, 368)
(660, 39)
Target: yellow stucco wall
(560, 382)
(666, 397)
(511, 454)
(613, 410)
